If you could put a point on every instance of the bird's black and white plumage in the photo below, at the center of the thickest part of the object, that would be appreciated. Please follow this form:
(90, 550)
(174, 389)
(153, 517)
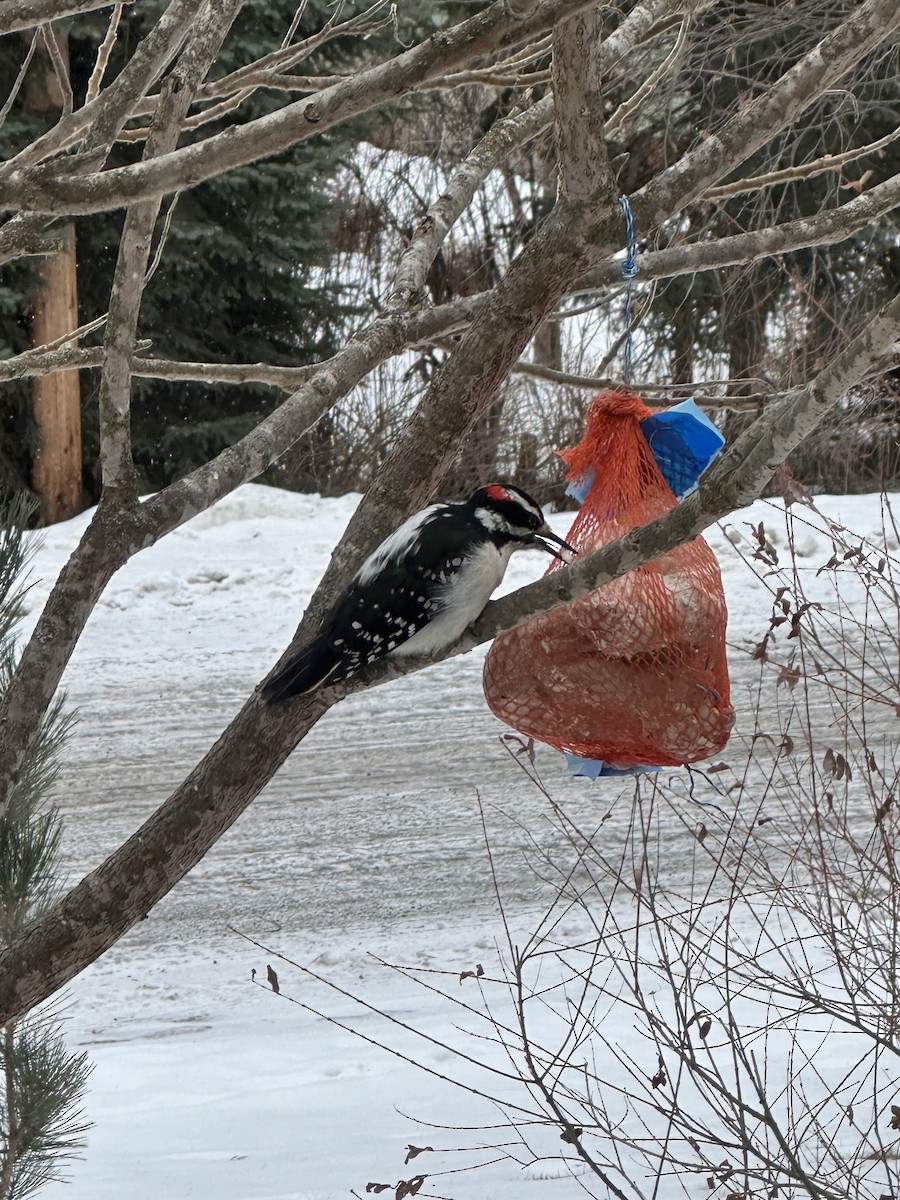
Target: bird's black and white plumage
(422, 587)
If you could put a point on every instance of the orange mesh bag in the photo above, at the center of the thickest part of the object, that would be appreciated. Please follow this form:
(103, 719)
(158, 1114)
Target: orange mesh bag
(634, 673)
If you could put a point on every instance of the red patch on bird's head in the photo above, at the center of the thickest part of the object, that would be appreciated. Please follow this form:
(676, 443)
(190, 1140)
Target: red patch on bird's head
(497, 491)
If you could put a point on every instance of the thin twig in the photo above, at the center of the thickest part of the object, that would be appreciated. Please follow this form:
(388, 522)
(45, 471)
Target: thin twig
(23, 71)
(630, 106)
(103, 54)
(819, 166)
(60, 69)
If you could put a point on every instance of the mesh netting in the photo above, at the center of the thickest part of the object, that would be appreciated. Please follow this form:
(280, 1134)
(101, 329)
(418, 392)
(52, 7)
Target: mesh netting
(634, 673)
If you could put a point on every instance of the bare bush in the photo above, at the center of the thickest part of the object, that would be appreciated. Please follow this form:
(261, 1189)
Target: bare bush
(707, 1003)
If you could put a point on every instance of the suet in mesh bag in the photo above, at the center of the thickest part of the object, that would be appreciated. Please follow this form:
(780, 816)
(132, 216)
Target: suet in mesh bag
(634, 673)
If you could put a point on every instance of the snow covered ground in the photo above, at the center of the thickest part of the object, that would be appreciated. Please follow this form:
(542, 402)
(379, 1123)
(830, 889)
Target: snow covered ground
(369, 840)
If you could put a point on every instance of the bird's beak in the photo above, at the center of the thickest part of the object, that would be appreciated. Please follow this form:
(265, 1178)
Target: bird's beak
(546, 532)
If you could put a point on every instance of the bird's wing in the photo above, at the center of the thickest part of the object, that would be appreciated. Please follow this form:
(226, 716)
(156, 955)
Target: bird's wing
(392, 598)
(395, 593)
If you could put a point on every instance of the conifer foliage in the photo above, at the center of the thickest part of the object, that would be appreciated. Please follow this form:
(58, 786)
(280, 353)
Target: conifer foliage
(41, 1083)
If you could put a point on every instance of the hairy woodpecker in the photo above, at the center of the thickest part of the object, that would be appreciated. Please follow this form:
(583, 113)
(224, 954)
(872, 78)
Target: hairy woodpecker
(422, 587)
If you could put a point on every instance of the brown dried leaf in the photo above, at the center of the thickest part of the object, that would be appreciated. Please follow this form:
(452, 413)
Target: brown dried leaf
(883, 810)
(705, 1028)
(415, 1151)
(409, 1187)
(787, 744)
(571, 1134)
(476, 974)
(829, 566)
(525, 746)
(760, 654)
(788, 675)
(378, 1187)
(895, 1116)
(273, 979)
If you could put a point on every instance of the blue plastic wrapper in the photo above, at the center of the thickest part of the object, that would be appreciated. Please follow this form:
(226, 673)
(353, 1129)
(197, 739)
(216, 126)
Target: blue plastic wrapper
(684, 442)
(596, 768)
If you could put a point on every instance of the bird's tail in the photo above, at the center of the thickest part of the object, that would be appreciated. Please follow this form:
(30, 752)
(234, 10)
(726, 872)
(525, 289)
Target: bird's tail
(309, 667)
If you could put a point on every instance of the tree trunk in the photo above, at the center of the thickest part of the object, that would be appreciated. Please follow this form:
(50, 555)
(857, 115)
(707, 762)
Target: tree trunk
(56, 399)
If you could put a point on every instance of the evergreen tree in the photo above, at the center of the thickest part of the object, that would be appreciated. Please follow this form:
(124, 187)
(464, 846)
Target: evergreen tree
(41, 1084)
(236, 279)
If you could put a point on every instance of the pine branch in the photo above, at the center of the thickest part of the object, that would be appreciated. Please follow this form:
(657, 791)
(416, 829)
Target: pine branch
(41, 1085)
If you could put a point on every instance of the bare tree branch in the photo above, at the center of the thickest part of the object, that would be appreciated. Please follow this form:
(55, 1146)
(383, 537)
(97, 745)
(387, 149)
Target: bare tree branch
(134, 249)
(819, 166)
(489, 30)
(117, 894)
(22, 14)
(101, 121)
(253, 76)
(513, 130)
(631, 106)
(105, 50)
(60, 67)
(584, 171)
(869, 26)
(20, 77)
(823, 229)
(664, 394)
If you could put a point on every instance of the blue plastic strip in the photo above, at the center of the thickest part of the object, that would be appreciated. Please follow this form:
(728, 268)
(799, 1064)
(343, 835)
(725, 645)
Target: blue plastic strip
(578, 488)
(629, 270)
(596, 768)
